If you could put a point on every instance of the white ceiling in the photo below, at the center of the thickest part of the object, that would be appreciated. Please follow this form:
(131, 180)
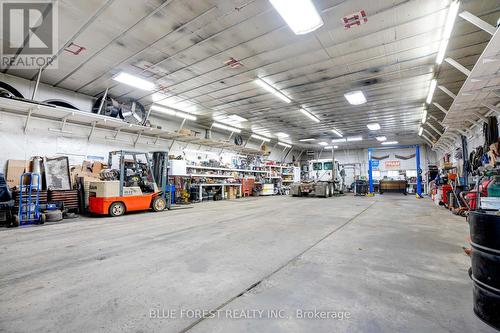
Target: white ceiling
(187, 43)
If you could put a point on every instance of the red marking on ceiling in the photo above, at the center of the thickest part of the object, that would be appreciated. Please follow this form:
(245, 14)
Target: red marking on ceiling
(355, 19)
(233, 63)
(74, 49)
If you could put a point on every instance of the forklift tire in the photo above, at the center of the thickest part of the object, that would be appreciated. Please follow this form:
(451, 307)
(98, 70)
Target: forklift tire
(117, 209)
(159, 204)
(43, 218)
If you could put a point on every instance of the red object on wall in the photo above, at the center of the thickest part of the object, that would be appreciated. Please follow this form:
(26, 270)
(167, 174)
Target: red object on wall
(444, 193)
(355, 19)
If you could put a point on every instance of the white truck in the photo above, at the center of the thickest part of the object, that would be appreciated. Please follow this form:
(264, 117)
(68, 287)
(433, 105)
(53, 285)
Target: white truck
(321, 180)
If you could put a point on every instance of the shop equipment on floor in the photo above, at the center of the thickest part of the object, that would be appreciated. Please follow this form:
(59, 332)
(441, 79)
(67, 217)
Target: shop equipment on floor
(29, 200)
(133, 186)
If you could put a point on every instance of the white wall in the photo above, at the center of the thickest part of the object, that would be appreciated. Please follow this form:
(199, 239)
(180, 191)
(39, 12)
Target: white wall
(346, 156)
(40, 141)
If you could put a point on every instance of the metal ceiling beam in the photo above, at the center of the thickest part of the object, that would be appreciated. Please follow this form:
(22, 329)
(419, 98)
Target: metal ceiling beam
(440, 108)
(447, 92)
(458, 66)
(478, 22)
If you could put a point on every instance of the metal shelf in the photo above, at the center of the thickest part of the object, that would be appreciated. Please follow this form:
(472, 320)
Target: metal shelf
(225, 169)
(32, 110)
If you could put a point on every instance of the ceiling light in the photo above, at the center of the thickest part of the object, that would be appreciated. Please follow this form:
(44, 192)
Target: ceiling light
(329, 147)
(381, 138)
(323, 144)
(420, 131)
(335, 147)
(424, 117)
(355, 97)
(448, 27)
(354, 138)
(258, 137)
(431, 91)
(306, 140)
(337, 133)
(272, 90)
(134, 81)
(338, 140)
(174, 113)
(227, 128)
(300, 15)
(373, 127)
(237, 118)
(284, 145)
(282, 135)
(310, 115)
(390, 143)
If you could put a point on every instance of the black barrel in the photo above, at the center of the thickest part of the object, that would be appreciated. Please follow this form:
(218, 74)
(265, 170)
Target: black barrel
(485, 260)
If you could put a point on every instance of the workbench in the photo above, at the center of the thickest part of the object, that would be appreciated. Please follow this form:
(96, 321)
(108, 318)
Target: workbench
(222, 185)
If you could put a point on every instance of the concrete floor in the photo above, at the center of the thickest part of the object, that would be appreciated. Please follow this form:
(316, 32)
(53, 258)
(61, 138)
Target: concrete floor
(389, 263)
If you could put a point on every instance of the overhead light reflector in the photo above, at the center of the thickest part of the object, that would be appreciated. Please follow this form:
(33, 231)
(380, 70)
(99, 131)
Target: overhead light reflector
(337, 133)
(284, 144)
(338, 140)
(272, 90)
(300, 15)
(174, 113)
(355, 97)
(307, 140)
(390, 143)
(310, 115)
(354, 138)
(432, 88)
(448, 27)
(424, 117)
(227, 128)
(282, 135)
(329, 147)
(134, 81)
(420, 131)
(373, 127)
(258, 137)
(323, 144)
(381, 138)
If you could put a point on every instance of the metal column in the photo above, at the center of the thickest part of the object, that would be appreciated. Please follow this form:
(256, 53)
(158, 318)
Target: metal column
(370, 170)
(419, 177)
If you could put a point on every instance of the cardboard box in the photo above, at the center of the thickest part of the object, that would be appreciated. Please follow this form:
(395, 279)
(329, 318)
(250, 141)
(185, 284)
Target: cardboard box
(97, 167)
(15, 169)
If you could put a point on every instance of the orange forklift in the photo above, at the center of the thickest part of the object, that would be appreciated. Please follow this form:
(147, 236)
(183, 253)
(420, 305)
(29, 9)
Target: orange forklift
(133, 186)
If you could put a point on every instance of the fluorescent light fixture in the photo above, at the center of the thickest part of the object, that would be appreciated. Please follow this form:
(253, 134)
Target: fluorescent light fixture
(272, 90)
(236, 118)
(355, 97)
(390, 143)
(432, 88)
(354, 138)
(307, 140)
(329, 147)
(134, 81)
(323, 144)
(424, 117)
(381, 138)
(284, 144)
(258, 137)
(174, 102)
(310, 115)
(420, 131)
(174, 113)
(337, 133)
(338, 140)
(227, 128)
(282, 135)
(335, 147)
(300, 15)
(373, 127)
(448, 27)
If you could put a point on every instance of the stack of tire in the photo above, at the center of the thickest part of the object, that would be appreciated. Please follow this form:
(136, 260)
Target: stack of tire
(485, 261)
